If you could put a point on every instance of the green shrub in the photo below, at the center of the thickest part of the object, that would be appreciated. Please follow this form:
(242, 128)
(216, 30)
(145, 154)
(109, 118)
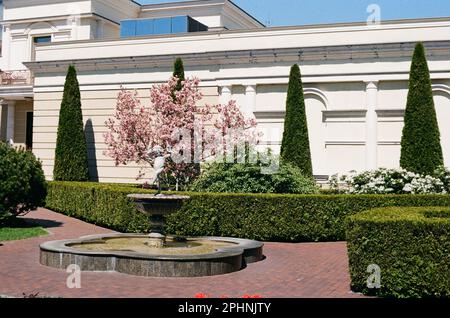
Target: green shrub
(410, 245)
(421, 144)
(22, 181)
(178, 71)
(266, 217)
(101, 204)
(295, 147)
(249, 178)
(71, 161)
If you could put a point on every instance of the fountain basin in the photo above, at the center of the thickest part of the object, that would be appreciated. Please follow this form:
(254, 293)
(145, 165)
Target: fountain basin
(203, 256)
(157, 207)
(159, 204)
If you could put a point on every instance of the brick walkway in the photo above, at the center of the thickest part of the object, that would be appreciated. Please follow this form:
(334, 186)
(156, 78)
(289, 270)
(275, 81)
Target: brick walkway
(290, 270)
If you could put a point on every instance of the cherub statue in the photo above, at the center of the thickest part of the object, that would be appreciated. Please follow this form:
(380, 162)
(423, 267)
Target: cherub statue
(159, 163)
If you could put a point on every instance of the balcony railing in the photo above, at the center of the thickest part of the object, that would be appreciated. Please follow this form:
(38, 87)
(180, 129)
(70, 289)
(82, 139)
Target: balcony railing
(15, 78)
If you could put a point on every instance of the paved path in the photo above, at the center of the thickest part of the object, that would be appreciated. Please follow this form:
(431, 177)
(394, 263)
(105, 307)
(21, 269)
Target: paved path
(290, 270)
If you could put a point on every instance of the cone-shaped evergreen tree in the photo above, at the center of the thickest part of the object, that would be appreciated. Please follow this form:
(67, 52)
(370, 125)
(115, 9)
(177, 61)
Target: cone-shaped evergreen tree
(295, 147)
(421, 145)
(179, 72)
(71, 162)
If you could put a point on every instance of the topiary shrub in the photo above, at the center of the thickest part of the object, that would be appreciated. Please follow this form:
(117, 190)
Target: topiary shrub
(178, 71)
(71, 161)
(295, 147)
(411, 247)
(22, 182)
(249, 178)
(421, 144)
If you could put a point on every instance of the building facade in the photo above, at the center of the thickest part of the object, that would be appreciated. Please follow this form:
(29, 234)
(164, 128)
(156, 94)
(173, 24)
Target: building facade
(355, 75)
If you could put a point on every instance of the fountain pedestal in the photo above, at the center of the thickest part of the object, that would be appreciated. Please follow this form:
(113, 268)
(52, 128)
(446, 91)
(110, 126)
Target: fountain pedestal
(157, 207)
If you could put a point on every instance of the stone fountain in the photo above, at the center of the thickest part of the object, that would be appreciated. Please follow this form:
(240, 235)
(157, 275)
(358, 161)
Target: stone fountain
(155, 254)
(157, 207)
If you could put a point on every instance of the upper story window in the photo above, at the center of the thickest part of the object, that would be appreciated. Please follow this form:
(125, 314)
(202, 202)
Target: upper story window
(42, 39)
(173, 25)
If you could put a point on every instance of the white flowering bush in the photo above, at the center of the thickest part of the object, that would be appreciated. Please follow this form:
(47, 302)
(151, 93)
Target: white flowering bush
(394, 181)
(443, 174)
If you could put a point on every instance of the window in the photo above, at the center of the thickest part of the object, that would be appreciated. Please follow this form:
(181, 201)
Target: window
(172, 25)
(29, 131)
(42, 39)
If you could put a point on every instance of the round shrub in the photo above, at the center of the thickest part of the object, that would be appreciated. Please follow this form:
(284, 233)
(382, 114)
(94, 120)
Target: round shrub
(22, 182)
(410, 246)
(250, 178)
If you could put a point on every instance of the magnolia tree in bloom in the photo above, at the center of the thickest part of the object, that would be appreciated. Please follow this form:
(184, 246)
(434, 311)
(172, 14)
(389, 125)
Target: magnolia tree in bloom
(187, 133)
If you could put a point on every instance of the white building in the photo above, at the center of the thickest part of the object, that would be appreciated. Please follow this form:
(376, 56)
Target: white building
(355, 75)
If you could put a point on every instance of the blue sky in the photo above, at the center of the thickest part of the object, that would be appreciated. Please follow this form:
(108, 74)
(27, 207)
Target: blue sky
(301, 12)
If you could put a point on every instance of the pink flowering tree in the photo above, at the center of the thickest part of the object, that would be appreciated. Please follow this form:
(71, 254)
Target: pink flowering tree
(235, 133)
(174, 121)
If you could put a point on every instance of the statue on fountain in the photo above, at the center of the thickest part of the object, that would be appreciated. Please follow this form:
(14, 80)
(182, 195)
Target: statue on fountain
(156, 154)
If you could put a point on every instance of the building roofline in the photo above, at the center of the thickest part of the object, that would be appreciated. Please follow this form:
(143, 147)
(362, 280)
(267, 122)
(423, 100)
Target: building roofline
(312, 27)
(291, 55)
(364, 23)
(58, 17)
(246, 12)
(197, 2)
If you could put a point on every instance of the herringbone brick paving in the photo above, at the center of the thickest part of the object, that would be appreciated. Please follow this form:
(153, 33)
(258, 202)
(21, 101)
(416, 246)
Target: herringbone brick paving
(290, 270)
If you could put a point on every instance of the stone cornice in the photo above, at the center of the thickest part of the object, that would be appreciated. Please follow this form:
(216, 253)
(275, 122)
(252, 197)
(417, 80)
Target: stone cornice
(16, 91)
(324, 53)
(56, 18)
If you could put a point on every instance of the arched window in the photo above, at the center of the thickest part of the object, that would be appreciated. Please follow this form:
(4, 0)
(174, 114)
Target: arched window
(441, 95)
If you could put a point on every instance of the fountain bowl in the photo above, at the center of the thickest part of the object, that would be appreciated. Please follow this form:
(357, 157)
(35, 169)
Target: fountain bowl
(230, 255)
(154, 254)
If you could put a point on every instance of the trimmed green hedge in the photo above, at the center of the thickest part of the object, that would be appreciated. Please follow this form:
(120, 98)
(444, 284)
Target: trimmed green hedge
(410, 245)
(102, 204)
(266, 217)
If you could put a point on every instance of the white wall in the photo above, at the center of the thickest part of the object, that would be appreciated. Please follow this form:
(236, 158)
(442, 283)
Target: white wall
(32, 9)
(271, 38)
(63, 20)
(336, 87)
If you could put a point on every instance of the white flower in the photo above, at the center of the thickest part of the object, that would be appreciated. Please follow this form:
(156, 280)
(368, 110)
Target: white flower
(395, 181)
(407, 188)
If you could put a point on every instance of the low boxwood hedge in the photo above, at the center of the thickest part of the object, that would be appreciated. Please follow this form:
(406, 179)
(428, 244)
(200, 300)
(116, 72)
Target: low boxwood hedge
(411, 247)
(271, 217)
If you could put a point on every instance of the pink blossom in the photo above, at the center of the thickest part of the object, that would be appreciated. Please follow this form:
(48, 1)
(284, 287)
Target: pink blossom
(174, 121)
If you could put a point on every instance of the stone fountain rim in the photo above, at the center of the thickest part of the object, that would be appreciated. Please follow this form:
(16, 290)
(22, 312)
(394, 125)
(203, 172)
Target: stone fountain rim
(223, 252)
(158, 197)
